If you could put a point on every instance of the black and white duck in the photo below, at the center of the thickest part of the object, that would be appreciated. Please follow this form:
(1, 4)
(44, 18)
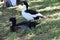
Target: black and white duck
(30, 15)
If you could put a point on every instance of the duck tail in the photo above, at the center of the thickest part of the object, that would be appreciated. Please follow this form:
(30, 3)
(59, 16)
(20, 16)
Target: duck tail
(41, 16)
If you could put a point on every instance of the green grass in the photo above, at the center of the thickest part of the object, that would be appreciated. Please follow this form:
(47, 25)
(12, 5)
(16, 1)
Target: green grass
(48, 29)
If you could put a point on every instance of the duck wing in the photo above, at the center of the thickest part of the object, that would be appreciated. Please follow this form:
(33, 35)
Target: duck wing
(22, 23)
(32, 12)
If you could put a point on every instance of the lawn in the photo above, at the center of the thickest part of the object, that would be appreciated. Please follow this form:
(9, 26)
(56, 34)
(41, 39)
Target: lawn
(47, 29)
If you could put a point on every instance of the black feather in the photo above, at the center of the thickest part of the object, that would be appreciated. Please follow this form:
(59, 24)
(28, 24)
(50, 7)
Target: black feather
(15, 26)
(33, 12)
(25, 3)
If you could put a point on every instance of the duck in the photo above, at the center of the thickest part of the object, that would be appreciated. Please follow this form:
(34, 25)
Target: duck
(21, 25)
(29, 14)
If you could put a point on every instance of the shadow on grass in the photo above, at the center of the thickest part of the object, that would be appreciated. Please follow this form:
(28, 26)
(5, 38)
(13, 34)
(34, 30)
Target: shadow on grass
(50, 12)
(48, 31)
(44, 4)
(12, 11)
(8, 12)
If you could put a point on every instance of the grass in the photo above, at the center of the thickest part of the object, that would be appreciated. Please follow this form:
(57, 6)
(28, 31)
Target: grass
(48, 29)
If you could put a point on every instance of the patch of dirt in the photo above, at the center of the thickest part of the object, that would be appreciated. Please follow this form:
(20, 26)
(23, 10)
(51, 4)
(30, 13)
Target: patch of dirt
(58, 38)
(2, 14)
(1, 37)
(24, 37)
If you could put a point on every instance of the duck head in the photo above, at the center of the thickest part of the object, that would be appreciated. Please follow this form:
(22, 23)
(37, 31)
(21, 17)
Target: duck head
(24, 5)
(12, 20)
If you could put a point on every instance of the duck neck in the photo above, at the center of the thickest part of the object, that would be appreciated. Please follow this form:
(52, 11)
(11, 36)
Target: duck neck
(14, 23)
(24, 8)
